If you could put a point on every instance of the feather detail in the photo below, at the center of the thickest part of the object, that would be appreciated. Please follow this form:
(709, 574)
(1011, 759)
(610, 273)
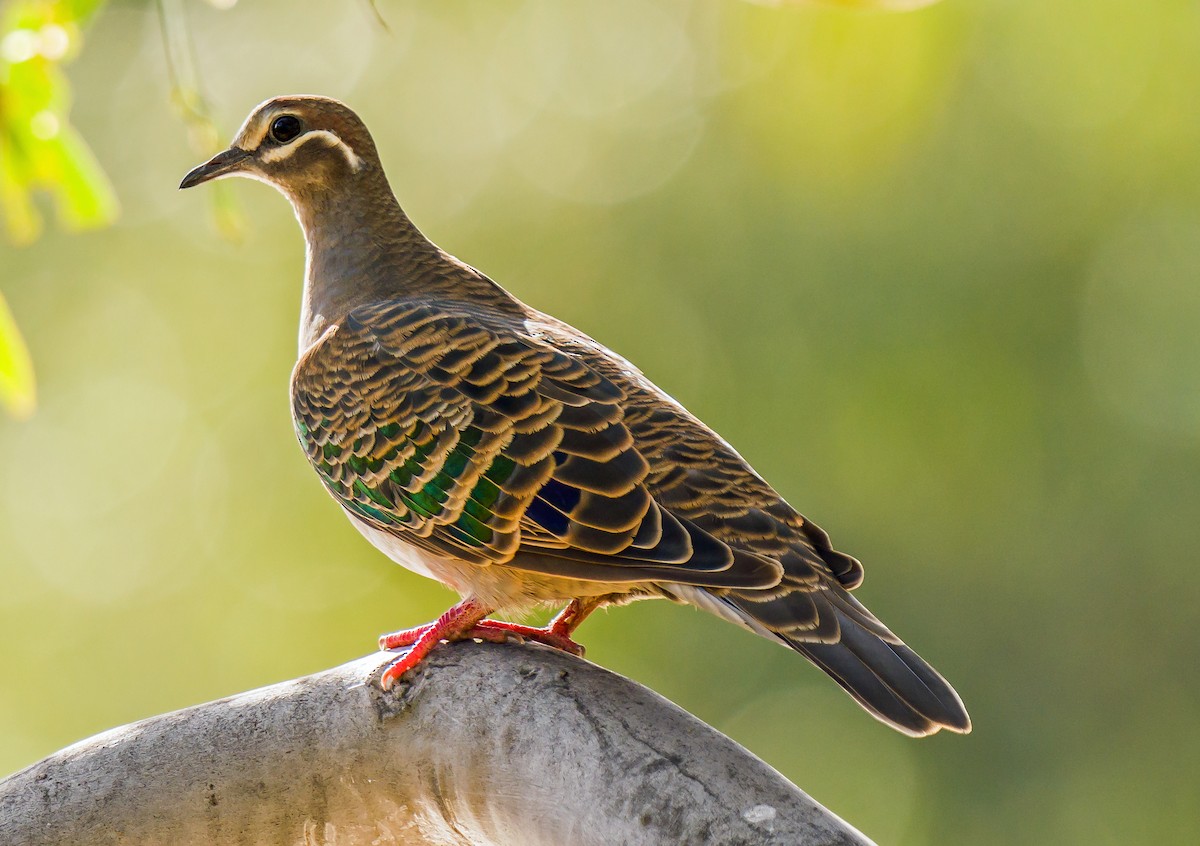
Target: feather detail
(464, 438)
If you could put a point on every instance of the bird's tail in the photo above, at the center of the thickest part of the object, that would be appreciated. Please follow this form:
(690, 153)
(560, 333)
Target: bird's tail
(837, 633)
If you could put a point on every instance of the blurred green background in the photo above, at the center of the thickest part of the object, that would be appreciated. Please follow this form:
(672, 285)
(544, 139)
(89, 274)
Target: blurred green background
(934, 274)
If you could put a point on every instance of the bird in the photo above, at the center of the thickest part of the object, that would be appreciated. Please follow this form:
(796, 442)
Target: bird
(502, 452)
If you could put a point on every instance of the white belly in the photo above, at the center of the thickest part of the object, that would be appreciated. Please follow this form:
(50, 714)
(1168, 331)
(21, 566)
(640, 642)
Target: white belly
(494, 585)
(405, 554)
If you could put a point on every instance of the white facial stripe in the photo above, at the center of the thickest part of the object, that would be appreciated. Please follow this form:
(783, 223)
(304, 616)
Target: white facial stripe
(276, 154)
(259, 122)
(260, 133)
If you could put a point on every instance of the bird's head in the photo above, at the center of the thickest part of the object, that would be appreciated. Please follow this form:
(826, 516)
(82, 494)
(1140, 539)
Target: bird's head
(302, 145)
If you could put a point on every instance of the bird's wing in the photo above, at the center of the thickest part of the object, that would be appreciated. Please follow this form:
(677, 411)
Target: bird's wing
(697, 476)
(482, 443)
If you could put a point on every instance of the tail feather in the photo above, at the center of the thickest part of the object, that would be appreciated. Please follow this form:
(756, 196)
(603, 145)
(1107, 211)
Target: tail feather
(889, 680)
(870, 691)
(874, 666)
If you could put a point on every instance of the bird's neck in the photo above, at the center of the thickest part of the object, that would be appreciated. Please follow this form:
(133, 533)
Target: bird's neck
(362, 248)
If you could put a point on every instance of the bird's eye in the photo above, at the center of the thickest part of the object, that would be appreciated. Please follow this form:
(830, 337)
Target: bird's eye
(284, 128)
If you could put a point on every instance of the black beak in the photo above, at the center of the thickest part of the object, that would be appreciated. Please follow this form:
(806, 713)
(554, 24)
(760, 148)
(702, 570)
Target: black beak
(219, 165)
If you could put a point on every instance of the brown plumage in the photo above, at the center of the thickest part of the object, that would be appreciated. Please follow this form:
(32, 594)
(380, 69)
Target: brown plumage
(487, 445)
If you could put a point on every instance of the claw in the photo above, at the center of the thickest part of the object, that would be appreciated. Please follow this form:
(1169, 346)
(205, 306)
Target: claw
(395, 670)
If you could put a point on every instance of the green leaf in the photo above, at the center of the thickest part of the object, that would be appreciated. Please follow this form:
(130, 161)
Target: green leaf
(39, 149)
(17, 392)
(85, 199)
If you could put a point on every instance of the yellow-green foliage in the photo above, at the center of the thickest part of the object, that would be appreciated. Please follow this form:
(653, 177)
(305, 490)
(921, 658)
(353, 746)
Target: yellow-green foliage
(41, 151)
(39, 148)
(16, 370)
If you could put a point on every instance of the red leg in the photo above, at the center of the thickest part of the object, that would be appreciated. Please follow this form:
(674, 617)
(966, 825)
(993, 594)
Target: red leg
(569, 618)
(557, 634)
(465, 622)
(453, 625)
(493, 631)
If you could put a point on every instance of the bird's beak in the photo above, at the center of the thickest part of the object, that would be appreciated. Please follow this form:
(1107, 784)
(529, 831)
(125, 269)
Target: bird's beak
(222, 164)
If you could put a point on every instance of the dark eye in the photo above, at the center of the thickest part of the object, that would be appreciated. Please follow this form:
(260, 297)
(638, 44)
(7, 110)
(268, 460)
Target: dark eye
(284, 128)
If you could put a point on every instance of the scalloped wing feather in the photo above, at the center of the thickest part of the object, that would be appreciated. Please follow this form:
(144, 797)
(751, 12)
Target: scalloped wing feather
(478, 444)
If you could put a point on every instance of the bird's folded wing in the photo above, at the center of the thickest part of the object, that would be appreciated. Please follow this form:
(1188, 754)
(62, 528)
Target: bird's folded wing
(480, 443)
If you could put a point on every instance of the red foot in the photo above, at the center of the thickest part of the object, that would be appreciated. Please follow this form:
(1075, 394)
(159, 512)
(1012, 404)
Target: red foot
(548, 635)
(450, 626)
(465, 622)
(493, 631)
